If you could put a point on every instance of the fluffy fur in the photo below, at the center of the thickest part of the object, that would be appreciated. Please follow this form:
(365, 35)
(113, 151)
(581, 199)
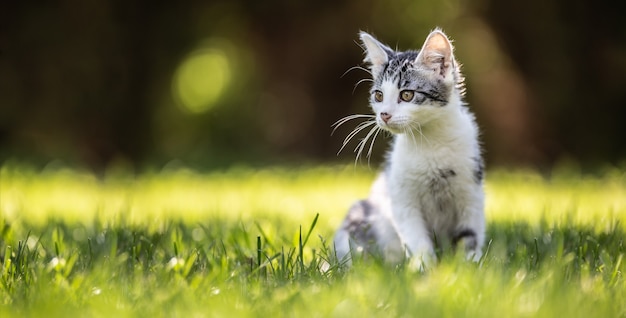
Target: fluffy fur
(430, 190)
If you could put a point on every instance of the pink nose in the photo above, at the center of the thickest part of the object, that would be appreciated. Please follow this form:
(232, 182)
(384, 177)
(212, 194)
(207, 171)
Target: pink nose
(385, 117)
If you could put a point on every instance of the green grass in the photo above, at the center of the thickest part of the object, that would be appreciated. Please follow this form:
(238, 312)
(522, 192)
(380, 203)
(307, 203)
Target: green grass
(253, 243)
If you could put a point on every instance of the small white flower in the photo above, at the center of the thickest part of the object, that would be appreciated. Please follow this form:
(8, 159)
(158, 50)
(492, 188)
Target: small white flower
(175, 263)
(56, 263)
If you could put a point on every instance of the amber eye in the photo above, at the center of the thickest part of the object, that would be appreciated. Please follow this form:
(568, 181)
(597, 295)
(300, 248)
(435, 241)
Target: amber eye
(407, 95)
(378, 96)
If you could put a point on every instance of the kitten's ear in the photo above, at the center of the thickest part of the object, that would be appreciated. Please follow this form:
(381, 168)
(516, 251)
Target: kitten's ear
(376, 53)
(436, 53)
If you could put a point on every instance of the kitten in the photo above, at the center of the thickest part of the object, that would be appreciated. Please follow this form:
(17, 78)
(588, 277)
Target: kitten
(430, 190)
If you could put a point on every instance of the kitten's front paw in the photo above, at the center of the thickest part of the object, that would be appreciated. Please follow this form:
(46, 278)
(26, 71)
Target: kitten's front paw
(474, 255)
(422, 262)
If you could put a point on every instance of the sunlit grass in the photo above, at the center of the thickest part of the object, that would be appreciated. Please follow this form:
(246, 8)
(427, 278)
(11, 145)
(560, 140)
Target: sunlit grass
(246, 242)
(527, 196)
(239, 193)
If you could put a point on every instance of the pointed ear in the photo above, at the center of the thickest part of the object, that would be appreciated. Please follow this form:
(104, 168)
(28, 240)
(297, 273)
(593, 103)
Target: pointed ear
(436, 53)
(376, 53)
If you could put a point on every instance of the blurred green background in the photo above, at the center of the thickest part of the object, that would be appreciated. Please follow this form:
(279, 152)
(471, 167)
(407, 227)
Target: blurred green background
(211, 83)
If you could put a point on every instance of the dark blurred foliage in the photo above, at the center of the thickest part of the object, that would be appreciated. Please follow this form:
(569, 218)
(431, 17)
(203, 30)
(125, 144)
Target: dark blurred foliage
(94, 83)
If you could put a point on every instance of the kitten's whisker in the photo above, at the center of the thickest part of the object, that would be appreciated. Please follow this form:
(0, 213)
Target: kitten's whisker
(410, 131)
(360, 146)
(363, 142)
(358, 129)
(419, 130)
(369, 152)
(413, 129)
(422, 133)
(361, 81)
(346, 119)
(350, 117)
(356, 68)
(354, 132)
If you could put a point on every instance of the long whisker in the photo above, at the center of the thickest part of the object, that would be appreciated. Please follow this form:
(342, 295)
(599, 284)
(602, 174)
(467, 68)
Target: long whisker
(369, 152)
(357, 130)
(354, 132)
(346, 119)
(410, 130)
(350, 117)
(356, 68)
(363, 142)
(418, 127)
(359, 147)
(360, 127)
(361, 81)
(422, 133)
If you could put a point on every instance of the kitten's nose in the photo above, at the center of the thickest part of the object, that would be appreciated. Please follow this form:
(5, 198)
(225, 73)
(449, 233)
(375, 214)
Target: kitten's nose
(385, 117)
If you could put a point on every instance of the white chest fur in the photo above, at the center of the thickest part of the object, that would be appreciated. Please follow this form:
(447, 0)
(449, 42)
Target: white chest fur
(433, 186)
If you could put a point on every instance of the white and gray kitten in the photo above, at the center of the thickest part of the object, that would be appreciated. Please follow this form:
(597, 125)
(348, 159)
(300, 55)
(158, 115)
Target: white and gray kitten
(430, 190)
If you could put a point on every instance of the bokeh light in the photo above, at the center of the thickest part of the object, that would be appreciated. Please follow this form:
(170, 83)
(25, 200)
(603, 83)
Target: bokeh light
(201, 79)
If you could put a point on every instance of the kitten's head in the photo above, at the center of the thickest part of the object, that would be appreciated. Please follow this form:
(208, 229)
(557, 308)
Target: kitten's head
(413, 88)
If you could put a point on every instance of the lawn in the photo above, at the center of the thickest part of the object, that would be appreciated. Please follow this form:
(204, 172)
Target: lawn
(258, 242)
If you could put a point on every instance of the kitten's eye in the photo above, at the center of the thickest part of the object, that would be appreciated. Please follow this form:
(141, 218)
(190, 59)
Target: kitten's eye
(378, 96)
(407, 95)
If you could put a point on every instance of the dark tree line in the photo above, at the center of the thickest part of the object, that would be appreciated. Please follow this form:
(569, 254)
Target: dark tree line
(91, 82)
